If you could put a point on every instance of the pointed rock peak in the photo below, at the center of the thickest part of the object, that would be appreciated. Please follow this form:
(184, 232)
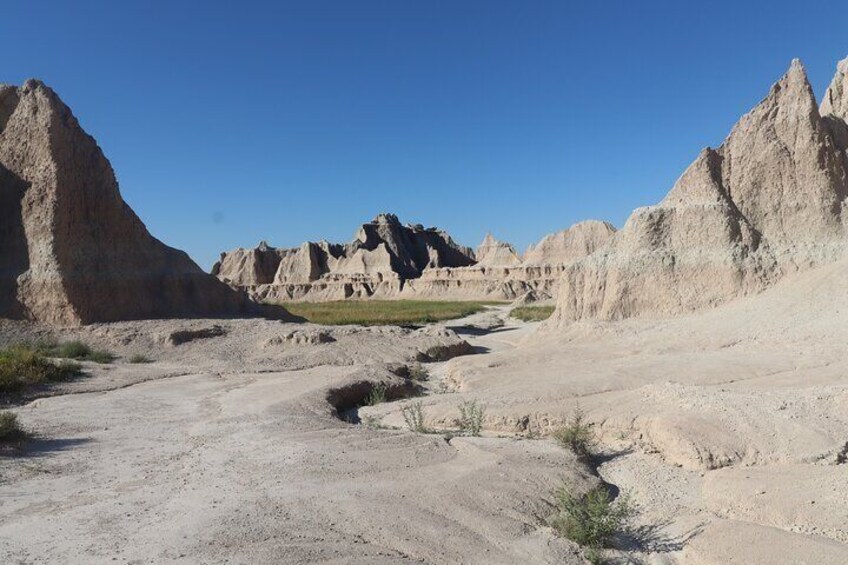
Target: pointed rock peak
(701, 182)
(835, 101)
(794, 81)
(489, 239)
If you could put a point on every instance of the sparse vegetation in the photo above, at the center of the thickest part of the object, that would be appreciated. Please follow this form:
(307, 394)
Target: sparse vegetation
(377, 395)
(591, 520)
(23, 366)
(418, 373)
(532, 313)
(11, 432)
(577, 435)
(79, 351)
(383, 312)
(139, 359)
(413, 415)
(471, 418)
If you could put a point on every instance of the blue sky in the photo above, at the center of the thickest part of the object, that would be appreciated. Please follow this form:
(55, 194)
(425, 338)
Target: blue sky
(228, 123)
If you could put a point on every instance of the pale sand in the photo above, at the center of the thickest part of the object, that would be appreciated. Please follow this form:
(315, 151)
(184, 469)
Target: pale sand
(726, 427)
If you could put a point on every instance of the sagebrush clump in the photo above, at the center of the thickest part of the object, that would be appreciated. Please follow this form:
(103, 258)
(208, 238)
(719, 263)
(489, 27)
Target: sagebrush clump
(11, 431)
(592, 519)
(377, 395)
(577, 435)
(413, 415)
(471, 418)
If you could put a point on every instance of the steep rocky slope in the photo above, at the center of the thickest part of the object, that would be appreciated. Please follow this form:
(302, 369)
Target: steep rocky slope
(769, 201)
(71, 250)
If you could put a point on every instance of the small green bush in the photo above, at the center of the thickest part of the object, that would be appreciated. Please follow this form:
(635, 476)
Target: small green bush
(591, 520)
(577, 435)
(10, 429)
(81, 352)
(23, 366)
(413, 415)
(377, 395)
(471, 418)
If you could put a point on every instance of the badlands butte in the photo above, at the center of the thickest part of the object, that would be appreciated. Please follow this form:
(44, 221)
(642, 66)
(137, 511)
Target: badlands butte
(704, 341)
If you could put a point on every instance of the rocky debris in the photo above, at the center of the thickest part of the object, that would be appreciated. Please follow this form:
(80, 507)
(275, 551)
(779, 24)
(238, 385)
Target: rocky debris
(302, 337)
(71, 250)
(767, 202)
(494, 253)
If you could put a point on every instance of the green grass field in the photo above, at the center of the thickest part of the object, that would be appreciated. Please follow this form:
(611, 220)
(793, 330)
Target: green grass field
(532, 313)
(383, 312)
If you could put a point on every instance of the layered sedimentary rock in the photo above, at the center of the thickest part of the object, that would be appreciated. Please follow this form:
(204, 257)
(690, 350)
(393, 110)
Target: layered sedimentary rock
(767, 202)
(71, 250)
(388, 260)
(383, 255)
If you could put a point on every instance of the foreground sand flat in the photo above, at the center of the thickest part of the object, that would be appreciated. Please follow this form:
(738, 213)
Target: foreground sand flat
(728, 429)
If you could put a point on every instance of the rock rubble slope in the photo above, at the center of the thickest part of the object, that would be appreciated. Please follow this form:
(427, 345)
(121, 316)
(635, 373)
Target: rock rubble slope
(71, 250)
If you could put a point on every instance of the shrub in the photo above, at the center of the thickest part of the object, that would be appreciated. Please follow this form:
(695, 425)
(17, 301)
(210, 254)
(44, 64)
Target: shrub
(10, 429)
(377, 395)
(139, 359)
(591, 520)
(81, 352)
(577, 435)
(413, 415)
(418, 373)
(22, 366)
(471, 418)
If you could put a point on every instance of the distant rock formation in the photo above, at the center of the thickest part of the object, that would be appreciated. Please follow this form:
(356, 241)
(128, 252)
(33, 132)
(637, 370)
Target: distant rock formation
(769, 201)
(388, 260)
(71, 250)
(494, 253)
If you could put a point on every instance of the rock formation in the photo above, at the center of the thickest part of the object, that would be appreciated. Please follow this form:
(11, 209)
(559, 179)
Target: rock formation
(767, 202)
(71, 250)
(570, 245)
(494, 253)
(388, 260)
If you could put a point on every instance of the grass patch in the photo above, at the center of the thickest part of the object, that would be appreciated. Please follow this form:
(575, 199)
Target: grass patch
(11, 432)
(383, 312)
(139, 359)
(532, 313)
(577, 435)
(471, 418)
(24, 366)
(413, 415)
(591, 520)
(79, 351)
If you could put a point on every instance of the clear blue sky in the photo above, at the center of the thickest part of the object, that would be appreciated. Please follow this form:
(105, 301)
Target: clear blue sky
(232, 122)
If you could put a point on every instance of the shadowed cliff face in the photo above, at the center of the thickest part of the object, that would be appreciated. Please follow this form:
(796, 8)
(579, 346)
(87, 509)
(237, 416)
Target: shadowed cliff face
(14, 253)
(72, 250)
